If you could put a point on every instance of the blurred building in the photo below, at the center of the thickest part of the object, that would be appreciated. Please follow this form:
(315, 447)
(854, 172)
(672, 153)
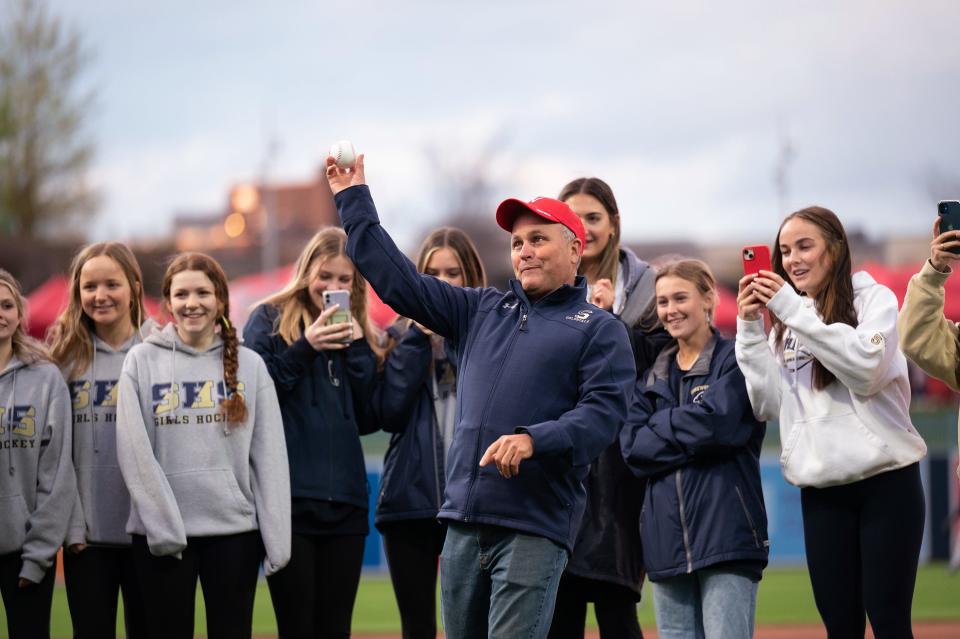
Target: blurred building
(260, 226)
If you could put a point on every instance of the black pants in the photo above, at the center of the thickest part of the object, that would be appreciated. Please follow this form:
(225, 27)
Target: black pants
(227, 567)
(313, 595)
(94, 578)
(413, 550)
(615, 607)
(863, 544)
(28, 609)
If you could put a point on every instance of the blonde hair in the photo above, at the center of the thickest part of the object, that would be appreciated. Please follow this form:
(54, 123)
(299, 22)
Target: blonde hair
(71, 336)
(26, 349)
(293, 301)
(697, 273)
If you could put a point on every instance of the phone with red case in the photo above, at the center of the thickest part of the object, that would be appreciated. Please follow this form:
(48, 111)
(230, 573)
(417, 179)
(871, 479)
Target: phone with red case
(755, 259)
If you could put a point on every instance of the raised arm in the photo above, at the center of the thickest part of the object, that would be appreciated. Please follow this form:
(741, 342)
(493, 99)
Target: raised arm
(859, 357)
(926, 336)
(443, 308)
(759, 366)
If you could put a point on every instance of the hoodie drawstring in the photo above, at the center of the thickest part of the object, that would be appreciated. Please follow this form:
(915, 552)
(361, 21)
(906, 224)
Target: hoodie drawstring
(9, 414)
(92, 399)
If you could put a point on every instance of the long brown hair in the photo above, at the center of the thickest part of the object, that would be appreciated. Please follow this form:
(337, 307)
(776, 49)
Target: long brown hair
(609, 260)
(26, 349)
(293, 301)
(463, 249)
(71, 336)
(697, 273)
(233, 406)
(834, 300)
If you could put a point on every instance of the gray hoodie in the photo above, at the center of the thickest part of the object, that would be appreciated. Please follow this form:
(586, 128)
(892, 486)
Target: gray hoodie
(190, 474)
(103, 503)
(37, 483)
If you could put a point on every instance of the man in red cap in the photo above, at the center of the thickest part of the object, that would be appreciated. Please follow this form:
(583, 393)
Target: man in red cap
(544, 382)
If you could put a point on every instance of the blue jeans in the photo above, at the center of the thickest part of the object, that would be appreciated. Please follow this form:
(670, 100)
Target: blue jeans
(498, 583)
(706, 604)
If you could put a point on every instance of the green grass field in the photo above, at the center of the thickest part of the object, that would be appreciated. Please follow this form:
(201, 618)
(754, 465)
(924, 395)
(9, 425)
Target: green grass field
(785, 597)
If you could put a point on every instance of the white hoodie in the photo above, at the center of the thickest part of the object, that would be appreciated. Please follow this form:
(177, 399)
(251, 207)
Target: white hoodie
(859, 425)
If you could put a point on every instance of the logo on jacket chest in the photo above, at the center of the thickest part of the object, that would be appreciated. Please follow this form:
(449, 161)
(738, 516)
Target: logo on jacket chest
(22, 421)
(102, 392)
(795, 356)
(696, 393)
(202, 395)
(582, 316)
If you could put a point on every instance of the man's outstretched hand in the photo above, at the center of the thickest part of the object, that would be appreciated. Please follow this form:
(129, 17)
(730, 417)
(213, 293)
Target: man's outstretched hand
(507, 453)
(341, 179)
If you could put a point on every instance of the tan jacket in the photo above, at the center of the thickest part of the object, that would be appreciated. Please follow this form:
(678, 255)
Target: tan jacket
(927, 337)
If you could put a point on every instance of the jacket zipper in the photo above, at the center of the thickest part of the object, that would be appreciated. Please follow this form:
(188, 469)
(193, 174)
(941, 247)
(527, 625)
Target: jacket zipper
(753, 529)
(683, 521)
(436, 429)
(680, 502)
(483, 418)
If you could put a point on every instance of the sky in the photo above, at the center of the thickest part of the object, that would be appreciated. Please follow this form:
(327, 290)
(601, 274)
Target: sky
(684, 108)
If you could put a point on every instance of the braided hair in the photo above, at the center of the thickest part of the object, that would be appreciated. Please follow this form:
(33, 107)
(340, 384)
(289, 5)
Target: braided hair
(233, 406)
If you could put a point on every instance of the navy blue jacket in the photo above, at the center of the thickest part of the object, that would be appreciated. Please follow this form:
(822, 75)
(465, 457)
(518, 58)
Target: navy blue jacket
(560, 370)
(412, 483)
(326, 400)
(700, 450)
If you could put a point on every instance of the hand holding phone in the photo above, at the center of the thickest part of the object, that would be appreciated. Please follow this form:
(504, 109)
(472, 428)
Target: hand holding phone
(755, 259)
(342, 315)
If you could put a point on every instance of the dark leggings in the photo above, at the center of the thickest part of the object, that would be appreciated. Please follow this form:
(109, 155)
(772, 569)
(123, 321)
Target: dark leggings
(615, 607)
(94, 577)
(413, 550)
(227, 567)
(313, 595)
(863, 544)
(28, 609)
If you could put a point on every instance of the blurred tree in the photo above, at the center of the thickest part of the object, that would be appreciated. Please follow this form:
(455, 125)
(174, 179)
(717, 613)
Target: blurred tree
(44, 154)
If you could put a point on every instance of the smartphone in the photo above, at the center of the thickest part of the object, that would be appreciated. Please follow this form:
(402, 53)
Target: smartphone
(949, 212)
(342, 314)
(755, 259)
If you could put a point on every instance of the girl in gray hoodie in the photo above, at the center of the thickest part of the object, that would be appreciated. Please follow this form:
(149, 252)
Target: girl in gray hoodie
(201, 449)
(37, 484)
(103, 320)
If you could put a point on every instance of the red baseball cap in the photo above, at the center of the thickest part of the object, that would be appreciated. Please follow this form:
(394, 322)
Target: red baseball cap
(549, 209)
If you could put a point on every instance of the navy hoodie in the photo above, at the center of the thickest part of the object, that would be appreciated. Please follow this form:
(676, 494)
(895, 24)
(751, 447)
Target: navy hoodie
(413, 470)
(326, 400)
(699, 447)
(560, 370)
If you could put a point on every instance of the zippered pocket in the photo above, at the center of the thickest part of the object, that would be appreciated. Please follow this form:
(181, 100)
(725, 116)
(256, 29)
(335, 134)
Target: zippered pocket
(753, 528)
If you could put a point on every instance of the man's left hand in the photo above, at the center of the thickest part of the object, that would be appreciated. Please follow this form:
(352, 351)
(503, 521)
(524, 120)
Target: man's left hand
(507, 453)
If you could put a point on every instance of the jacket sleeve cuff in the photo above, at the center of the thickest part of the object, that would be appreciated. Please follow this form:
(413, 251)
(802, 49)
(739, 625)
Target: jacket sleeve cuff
(353, 194)
(547, 438)
(302, 352)
(76, 536)
(932, 276)
(785, 302)
(32, 571)
(750, 331)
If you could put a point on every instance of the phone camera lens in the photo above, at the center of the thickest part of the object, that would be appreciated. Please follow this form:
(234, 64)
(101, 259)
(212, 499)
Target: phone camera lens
(748, 254)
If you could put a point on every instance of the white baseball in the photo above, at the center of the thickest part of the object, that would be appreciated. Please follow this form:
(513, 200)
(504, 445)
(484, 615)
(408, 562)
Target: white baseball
(344, 154)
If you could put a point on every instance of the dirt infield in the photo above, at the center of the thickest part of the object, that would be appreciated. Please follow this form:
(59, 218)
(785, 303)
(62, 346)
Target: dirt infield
(921, 630)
